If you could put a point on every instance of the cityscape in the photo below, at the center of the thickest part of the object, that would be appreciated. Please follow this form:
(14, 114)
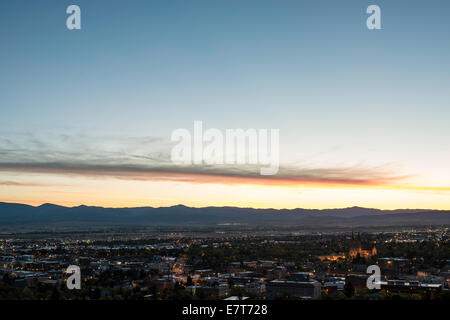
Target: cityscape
(226, 265)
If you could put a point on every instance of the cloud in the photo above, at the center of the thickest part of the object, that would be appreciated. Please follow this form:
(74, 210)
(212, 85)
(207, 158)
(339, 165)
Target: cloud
(148, 159)
(26, 184)
(18, 184)
(210, 174)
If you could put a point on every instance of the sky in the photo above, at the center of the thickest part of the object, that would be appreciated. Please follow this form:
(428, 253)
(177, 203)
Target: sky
(86, 115)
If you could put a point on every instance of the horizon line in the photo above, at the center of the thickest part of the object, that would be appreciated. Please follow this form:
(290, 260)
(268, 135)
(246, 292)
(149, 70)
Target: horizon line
(205, 207)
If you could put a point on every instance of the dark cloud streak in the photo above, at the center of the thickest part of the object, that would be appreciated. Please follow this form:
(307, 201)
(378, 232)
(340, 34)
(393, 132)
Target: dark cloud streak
(209, 174)
(129, 158)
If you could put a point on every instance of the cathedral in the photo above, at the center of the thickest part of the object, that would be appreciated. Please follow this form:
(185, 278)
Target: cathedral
(356, 249)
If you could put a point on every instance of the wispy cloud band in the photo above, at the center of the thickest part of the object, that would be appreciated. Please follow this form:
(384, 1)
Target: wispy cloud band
(148, 159)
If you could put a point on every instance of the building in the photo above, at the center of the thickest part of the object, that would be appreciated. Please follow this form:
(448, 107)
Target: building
(257, 288)
(235, 298)
(411, 287)
(332, 257)
(162, 284)
(331, 287)
(300, 276)
(299, 289)
(276, 273)
(234, 267)
(396, 266)
(210, 292)
(358, 281)
(205, 272)
(357, 249)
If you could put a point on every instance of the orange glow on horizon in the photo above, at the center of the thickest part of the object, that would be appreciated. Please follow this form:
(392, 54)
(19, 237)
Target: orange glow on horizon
(202, 190)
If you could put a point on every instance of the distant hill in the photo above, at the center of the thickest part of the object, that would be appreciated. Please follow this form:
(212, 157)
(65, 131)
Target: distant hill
(13, 214)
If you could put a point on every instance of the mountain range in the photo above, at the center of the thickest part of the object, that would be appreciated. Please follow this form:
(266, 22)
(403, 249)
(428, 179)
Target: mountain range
(14, 214)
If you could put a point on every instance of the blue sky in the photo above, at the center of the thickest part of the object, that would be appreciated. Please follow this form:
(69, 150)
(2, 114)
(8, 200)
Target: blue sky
(154, 63)
(339, 93)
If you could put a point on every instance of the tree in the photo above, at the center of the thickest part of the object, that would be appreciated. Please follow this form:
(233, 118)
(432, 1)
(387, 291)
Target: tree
(349, 289)
(55, 295)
